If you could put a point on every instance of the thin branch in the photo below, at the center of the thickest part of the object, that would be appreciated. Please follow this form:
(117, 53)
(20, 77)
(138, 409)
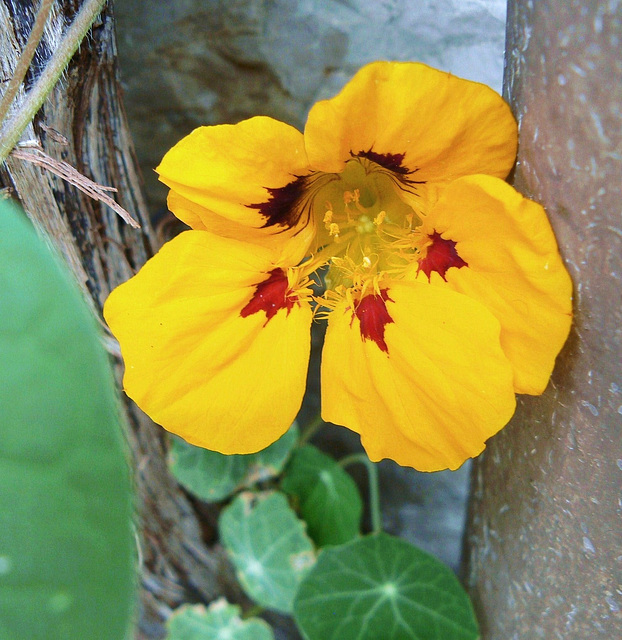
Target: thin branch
(69, 173)
(23, 64)
(13, 128)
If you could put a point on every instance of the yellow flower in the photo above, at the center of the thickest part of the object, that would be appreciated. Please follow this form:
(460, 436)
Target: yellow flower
(445, 291)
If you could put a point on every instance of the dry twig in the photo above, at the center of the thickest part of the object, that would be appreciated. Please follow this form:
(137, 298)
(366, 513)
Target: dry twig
(67, 172)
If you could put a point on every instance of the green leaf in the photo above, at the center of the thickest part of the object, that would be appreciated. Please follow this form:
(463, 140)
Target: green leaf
(209, 475)
(66, 543)
(219, 621)
(382, 587)
(213, 476)
(328, 498)
(268, 546)
(268, 463)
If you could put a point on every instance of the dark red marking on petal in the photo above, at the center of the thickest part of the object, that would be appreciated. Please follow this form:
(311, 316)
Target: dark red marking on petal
(284, 206)
(373, 317)
(441, 255)
(270, 296)
(393, 162)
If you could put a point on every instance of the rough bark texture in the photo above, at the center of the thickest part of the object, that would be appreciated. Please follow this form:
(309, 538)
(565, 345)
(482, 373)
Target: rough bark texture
(545, 520)
(103, 251)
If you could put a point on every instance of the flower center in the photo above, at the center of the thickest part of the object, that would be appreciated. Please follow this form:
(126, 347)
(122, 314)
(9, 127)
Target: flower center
(360, 215)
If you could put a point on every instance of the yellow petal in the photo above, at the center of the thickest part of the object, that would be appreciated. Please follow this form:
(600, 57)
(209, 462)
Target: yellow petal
(440, 390)
(514, 268)
(224, 379)
(445, 126)
(194, 215)
(293, 243)
(228, 168)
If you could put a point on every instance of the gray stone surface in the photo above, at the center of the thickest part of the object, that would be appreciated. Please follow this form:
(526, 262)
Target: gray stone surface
(193, 62)
(427, 509)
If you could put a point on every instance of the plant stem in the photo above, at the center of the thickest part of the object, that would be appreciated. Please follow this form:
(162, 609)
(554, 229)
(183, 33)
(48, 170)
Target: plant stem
(310, 430)
(21, 68)
(374, 487)
(13, 129)
(374, 495)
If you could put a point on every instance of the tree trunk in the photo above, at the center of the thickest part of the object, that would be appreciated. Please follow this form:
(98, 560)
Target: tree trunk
(83, 123)
(545, 525)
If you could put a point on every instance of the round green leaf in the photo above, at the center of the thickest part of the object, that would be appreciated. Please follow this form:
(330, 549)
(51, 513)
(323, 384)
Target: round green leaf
(209, 475)
(66, 543)
(268, 463)
(220, 621)
(268, 546)
(328, 498)
(213, 476)
(382, 587)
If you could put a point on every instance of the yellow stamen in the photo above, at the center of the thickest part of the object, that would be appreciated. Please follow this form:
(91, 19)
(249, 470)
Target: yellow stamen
(362, 285)
(324, 255)
(351, 196)
(299, 283)
(379, 219)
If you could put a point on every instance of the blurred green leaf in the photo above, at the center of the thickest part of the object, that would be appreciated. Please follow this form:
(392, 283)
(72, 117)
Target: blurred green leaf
(382, 587)
(268, 546)
(268, 463)
(219, 621)
(66, 543)
(213, 476)
(209, 475)
(328, 498)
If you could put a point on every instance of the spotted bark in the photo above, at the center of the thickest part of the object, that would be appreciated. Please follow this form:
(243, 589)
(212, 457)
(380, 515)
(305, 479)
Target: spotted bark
(544, 536)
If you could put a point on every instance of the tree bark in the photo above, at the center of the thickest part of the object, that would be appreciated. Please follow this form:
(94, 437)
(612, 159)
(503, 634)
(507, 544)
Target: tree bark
(544, 535)
(83, 123)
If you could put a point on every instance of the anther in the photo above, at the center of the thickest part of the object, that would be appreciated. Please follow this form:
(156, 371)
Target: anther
(351, 196)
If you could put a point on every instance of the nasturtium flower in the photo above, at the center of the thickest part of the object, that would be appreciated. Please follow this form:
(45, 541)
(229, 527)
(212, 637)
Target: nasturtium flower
(444, 289)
